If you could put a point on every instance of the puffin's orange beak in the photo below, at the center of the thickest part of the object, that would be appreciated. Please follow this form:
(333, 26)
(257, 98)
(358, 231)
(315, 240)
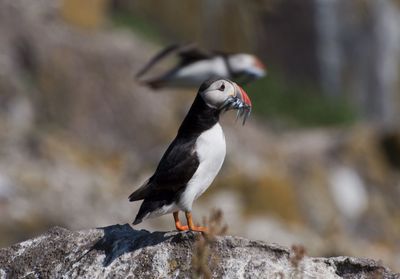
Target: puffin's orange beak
(244, 105)
(238, 100)
(243, 95)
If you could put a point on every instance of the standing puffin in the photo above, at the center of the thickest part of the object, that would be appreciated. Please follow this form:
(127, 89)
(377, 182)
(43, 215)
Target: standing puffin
(194, 157)
(196, 65)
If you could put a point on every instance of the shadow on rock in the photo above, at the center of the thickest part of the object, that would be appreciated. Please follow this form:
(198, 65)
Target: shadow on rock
(120, 239)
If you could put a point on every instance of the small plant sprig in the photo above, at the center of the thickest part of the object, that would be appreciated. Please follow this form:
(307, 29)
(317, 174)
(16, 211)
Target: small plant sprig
(298, 252)
(202, 260)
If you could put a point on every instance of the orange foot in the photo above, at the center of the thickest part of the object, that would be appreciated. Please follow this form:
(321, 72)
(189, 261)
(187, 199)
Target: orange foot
(178, 224)
(191, 225)
(199, 229)
(179, 227)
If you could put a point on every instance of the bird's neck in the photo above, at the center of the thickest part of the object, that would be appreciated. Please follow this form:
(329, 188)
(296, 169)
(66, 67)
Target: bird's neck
(200, 118)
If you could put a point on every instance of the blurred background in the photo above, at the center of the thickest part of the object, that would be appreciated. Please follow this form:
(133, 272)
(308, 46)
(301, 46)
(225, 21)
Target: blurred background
(317, 164)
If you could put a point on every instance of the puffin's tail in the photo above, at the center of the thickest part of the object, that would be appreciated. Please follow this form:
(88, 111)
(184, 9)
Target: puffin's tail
(147, 209)
(137, 221)
(140, 193)
(143, 213)
(135, 196)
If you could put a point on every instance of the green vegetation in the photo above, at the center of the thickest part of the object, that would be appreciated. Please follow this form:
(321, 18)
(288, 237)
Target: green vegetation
(137, 24)
(298, 105)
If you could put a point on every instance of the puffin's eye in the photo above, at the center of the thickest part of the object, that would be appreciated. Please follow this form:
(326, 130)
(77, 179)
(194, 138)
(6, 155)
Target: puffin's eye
(222, 87)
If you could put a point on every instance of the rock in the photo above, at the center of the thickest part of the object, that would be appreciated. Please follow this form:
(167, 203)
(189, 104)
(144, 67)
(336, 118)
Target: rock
(119, 251)
(348, 192)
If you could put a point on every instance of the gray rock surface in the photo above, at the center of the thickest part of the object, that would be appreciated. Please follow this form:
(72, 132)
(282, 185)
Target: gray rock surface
(119, 251)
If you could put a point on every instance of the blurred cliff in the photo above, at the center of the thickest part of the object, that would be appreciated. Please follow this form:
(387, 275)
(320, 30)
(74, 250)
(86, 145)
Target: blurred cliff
(349, 49)
(78, 134)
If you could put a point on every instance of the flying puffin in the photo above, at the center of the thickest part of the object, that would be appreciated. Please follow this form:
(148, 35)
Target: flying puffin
(196, 65)
(194, 157)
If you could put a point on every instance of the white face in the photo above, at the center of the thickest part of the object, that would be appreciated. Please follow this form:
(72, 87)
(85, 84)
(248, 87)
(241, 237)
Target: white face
(218, 92)
(247, 63)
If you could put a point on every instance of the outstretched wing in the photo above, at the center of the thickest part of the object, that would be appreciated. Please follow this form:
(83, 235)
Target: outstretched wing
(187, 53)
(175, 169)
(159, 56)
(191, 53)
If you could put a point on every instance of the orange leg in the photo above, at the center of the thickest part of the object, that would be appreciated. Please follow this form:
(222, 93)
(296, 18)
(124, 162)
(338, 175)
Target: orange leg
(192, 227)
(178, 224)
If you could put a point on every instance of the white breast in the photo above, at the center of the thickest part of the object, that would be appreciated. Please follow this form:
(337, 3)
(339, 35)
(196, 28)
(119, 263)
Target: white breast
(211, 150)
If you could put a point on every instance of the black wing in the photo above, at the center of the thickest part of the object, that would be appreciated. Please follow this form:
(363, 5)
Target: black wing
(159, 56)
(191, 53)
(175, 169)
(187, 53)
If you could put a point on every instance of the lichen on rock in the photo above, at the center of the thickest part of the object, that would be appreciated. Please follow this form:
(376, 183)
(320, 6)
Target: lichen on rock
(119, 251)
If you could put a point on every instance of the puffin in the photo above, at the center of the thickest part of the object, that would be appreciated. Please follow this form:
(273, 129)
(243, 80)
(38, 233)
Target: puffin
(196, 65)
(195, 156)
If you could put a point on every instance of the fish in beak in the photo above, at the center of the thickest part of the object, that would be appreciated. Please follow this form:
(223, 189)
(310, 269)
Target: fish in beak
(239, 101)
